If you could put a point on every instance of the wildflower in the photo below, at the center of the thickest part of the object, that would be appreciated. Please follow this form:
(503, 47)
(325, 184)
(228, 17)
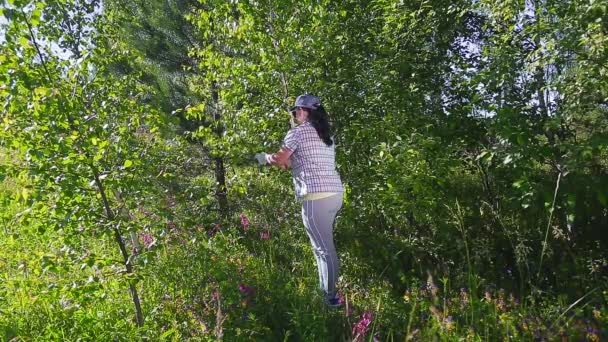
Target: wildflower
(500, 304)
(488, 296)
(596, 312)
(244, 221)
(214, 230)
(265, 235)
(464, 296)
(408, 295)
(245, 289)
(449, 323)
(362, 326)
(214, 295)
(513, 301)
(524, 324)
(593, 334)
(203, 325)
(147, 239)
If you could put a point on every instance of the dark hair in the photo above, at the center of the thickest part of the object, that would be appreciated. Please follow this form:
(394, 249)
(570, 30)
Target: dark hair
(319, 119)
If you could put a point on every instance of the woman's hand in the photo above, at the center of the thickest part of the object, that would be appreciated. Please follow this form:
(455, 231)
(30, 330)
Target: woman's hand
(281, 158)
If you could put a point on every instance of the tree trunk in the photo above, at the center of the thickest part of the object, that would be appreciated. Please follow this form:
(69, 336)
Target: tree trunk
(110, 215)
(221, 189)
(139, 317)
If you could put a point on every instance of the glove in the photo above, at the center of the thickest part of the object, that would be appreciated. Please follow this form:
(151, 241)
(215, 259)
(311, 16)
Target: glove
(262, 158)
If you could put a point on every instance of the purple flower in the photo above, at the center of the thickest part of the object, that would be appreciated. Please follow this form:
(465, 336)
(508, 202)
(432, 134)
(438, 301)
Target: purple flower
(214, 230)
(449, 323)
(500, 304)
(362, 326)
(244, 221)
(265, 235)
(245, 289)
(464, 296)
(147, 239)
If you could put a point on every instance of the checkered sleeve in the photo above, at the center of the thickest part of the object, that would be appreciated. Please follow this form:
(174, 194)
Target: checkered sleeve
(292, 139)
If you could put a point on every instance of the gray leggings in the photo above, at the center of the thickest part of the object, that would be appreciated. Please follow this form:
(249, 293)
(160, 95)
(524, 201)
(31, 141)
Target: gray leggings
(319, 216)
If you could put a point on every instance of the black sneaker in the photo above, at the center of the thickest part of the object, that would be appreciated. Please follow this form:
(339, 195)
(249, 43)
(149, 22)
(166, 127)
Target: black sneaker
(334, 303)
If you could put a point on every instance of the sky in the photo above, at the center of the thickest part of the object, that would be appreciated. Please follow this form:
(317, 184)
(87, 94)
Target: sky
(3, 22)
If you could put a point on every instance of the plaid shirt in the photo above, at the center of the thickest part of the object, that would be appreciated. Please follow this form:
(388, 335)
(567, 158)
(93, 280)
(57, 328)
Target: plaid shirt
(313, 163)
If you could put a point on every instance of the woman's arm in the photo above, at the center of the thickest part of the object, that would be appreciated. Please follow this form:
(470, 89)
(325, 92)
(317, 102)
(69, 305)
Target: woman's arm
(281, 158)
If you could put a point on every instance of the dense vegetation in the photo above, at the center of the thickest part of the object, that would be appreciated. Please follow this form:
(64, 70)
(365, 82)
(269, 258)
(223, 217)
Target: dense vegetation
(472, 139)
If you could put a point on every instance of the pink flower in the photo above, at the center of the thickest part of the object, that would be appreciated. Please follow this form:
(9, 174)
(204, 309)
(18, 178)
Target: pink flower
(245, 289)
(244, 221)
(147, 239)
(215, 229)
(362, 326)
(265, 235)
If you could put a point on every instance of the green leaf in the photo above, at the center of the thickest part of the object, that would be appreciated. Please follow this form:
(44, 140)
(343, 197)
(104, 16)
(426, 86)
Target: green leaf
(25, 194)
(24, 42)
(35, 20)
(601, 196)
(128, 163)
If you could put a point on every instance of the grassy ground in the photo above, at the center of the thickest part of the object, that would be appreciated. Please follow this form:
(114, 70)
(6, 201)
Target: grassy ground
(252, 277)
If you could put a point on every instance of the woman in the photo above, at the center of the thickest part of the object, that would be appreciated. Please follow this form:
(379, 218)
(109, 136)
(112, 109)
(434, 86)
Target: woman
(309, 150)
